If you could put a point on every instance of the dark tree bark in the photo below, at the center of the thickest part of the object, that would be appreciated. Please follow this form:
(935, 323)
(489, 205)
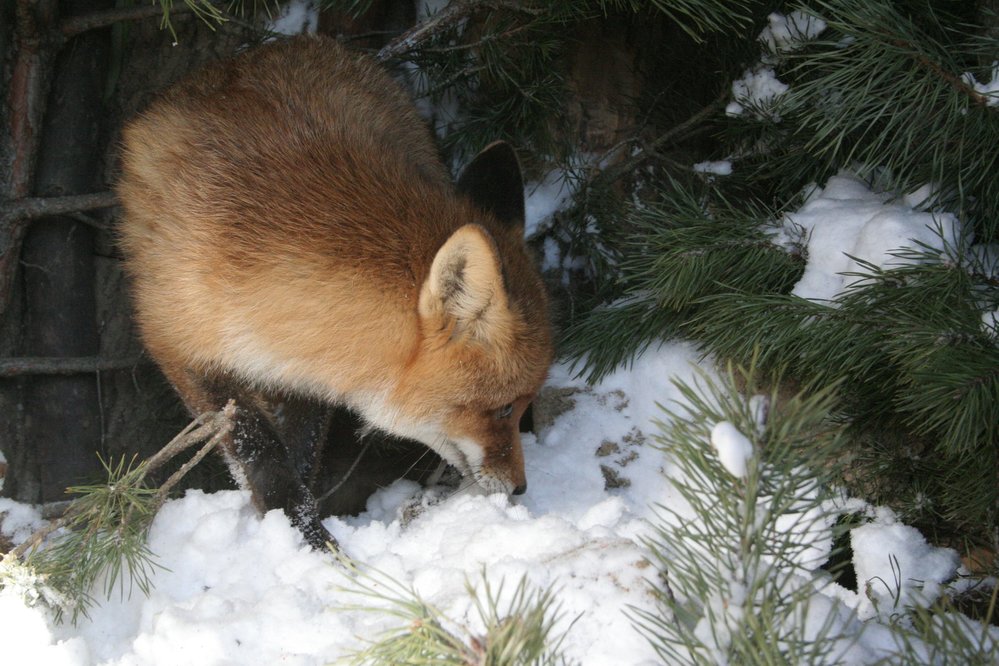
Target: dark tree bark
(63, 415)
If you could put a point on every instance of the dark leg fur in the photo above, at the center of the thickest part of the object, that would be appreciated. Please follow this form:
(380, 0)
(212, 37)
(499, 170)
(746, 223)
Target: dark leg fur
(303, 426)
(272, 449)
(285, 448)
(380, 460)
(271, 476)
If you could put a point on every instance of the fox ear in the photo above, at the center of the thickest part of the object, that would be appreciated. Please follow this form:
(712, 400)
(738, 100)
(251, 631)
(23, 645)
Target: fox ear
(493, 182)
(465, 291)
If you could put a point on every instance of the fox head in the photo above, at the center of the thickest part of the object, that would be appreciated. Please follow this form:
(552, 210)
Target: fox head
(485, 335)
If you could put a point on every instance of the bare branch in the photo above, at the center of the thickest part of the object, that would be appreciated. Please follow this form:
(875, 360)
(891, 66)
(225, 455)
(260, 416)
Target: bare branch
(222, 423)
(446, 18)
(29, 85)
(202, 427)
(40, 365)
(34, 207)
(214, 425)
(673, 134)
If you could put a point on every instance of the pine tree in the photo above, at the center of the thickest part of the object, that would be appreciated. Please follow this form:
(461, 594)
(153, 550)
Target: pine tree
(894, 92)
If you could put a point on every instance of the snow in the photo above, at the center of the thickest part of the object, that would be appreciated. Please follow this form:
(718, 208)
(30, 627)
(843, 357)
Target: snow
(296, 17)
(233, 587)
(546, 197)
(989, 90)
(787, 32)
(847, 223)
(718, 168)
(757, 91)
(898, 568)
(733, 448)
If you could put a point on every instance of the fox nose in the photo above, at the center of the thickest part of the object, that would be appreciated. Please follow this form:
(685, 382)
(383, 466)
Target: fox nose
(521, 489)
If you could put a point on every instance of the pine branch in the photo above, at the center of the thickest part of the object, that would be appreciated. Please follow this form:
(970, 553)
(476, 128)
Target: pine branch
(672, 135)
(883, 91)
(106, 526)
(75, 25)
(755, 475)
(676, 254)
(520, 631)
(446, 19)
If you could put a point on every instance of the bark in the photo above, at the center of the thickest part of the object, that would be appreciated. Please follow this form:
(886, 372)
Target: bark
(64, 414)
(26, 91)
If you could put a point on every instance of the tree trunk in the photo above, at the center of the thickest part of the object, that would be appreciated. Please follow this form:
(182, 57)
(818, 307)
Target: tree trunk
(63, 412)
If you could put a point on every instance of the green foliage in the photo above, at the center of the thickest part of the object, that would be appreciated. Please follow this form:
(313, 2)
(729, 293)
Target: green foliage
(883, 89)
(516, 629)
(678, 254)
(695, 17)
(214, 13)
(909, 344)
(737, 556)
(104, 530)
(503, 68)
(941, 634)
(738, 579)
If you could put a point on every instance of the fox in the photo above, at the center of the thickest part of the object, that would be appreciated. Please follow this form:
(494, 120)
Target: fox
(295, 243)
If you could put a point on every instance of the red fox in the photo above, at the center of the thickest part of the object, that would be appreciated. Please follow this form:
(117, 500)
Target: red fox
(294, 242)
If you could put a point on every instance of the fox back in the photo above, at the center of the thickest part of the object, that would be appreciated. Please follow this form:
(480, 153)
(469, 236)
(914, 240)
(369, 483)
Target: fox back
(290, 231)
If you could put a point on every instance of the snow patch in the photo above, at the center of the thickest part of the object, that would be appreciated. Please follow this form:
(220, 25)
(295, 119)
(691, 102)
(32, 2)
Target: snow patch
(718, 168)
(297, 17)
(846, 223)
(897, 569)
(757, 91)
(989, 90)
(733, 448)
(789, 32)
(546, 197)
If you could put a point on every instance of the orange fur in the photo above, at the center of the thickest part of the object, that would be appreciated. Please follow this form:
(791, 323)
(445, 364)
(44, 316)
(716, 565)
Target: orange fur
(288, 226)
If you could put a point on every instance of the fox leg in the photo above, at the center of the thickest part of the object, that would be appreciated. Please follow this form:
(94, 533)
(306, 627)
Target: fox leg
(303, 425)
(257, 457)
(269, 471)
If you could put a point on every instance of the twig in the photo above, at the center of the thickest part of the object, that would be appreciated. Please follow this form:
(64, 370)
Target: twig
(223, 426)
(31, 208)
(41, 365)
(51, 510)
(29, 83)
(616, 171)
(214, 425)
(446, 18)
(27, 93)
(453, 14)
(39, 535)
(75, 25)
(954, 81)
(346, 476)
(204, 426)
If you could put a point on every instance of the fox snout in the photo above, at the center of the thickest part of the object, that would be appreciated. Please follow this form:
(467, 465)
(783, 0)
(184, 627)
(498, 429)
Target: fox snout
(490, 449)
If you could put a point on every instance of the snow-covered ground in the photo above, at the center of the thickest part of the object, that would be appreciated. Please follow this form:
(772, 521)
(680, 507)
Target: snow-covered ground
(237, 588)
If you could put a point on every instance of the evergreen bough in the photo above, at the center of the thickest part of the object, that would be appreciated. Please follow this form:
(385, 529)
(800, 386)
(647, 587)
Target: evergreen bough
(740, 583)
(882, 90)
(505, 630)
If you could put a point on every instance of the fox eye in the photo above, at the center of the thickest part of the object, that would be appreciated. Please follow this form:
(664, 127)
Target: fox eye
(505, 411)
